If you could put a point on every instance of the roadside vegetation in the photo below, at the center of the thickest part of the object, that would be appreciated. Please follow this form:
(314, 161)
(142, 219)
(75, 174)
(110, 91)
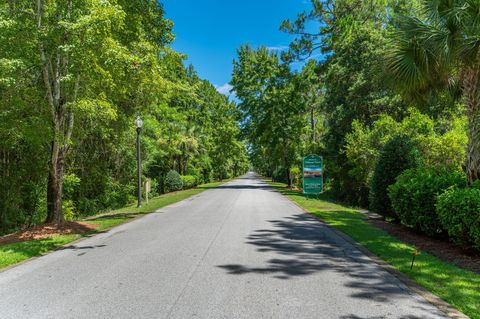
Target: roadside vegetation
(387, 92)
(388, 95)
(74, 75)
(13, 253)
(453, 284)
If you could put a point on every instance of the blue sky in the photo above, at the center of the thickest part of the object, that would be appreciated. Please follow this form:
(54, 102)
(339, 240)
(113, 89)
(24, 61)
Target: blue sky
(210, 31)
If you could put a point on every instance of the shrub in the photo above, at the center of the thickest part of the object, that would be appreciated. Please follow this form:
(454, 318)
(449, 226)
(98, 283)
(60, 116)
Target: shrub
(397, 155)
(71, 182)
(297, 178)
(476, 184)
(280, 175)
(414, 195)
(459, 212)
(173, 182)
(441, 144)
(189, 181)
(68, 209)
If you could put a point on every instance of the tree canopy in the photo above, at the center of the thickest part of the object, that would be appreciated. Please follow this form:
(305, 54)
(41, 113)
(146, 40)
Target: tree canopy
(73, 77)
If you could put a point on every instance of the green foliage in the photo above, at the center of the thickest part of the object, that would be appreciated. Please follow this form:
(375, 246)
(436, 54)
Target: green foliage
(353, 37)
(297, 176)
(441, 144)
(188, 181)
(457, 286)
(71, 182)
(68, 209)
(280, 175)
(397, 155)
(115, 63)
(16, 252)
(173, 182)
(435, 48)
(476, 184)
(279, 108)
(414, 196)
(459, 212)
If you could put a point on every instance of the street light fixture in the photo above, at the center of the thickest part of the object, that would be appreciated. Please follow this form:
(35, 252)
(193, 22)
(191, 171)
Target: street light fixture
(139, 162)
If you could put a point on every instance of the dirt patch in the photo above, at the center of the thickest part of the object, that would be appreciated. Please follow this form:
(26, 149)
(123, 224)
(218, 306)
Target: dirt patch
(48, 230)
(466, 258)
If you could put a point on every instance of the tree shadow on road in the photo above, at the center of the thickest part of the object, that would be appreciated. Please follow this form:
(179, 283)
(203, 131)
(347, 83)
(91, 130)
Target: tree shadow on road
(304, 246)
(379, 317)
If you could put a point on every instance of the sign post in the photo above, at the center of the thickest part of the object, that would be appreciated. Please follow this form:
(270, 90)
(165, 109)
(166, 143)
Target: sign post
(147, 188)
(312, 175)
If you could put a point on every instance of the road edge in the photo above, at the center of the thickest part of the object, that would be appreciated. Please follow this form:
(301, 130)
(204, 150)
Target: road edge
(102, 232)
(436, 301)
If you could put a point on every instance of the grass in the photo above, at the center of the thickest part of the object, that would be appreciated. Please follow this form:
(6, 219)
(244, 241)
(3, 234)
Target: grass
(459, 287)
(11, 254)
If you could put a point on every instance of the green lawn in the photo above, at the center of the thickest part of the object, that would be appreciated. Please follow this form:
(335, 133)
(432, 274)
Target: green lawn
(460, 288)
(14, 253)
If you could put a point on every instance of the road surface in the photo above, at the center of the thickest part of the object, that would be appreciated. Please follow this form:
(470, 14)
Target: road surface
(241, 250)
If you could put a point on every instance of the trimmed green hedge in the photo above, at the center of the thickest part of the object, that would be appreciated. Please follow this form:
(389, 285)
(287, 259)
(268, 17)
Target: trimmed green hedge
(189, 181)
(459, 213)
(414, 195)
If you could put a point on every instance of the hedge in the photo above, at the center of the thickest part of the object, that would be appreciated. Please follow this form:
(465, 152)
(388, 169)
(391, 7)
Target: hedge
(459, 212)
(414, 196)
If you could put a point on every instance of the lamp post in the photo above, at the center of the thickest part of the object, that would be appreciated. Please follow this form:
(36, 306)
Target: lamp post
(139, 162)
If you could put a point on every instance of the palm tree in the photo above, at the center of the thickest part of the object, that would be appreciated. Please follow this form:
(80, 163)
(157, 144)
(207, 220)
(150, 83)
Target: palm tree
(441, 47)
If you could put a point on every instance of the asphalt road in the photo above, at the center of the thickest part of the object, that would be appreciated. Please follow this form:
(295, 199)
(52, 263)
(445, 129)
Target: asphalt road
(238, 251)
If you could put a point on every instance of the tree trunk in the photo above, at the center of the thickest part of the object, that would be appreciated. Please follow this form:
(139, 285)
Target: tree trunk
(312, 123)
(289, 177)
(287, 166)
(54, 66)
(471, 95)
(55, 186)
(473, 152)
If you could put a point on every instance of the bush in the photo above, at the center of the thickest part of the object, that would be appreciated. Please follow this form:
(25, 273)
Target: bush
(280, 175)
(71, 182)
(68, 209)
(297, 178)
(459, 213)
(397, 155)
(476, 184)
(189, 181)
(173, 182)
(441, 144)
(414, 196)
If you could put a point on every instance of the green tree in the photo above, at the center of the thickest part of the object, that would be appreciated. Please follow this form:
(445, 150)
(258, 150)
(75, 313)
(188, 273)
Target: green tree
(73, 77)
(349, 37)
(398, 155)
(438, 48)
(271, 107)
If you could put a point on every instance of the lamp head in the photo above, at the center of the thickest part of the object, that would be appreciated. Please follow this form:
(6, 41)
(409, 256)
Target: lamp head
(139, 122)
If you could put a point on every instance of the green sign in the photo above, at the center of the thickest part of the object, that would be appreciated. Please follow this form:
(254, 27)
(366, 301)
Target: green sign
(313, 174)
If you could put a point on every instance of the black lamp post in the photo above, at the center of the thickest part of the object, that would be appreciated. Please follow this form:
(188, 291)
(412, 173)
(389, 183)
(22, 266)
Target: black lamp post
(139, 162)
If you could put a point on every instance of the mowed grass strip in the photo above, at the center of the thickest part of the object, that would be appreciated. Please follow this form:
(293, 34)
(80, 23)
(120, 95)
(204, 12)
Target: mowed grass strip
(459, 287)
(14, 253)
